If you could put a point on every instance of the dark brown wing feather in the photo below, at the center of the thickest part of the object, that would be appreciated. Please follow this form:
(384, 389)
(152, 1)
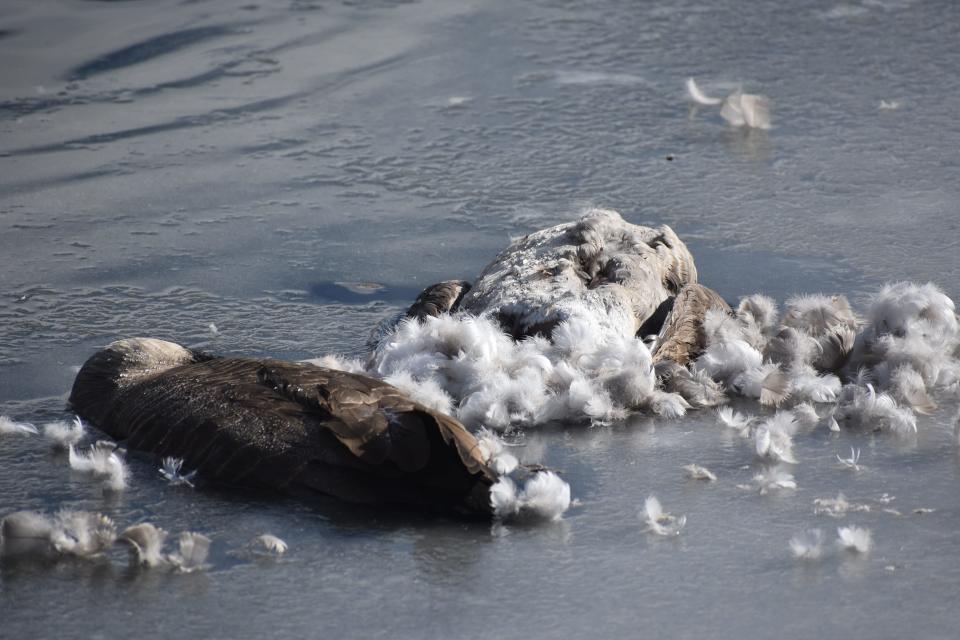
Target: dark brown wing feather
(681, 339)
(292, 427)
(443, 297)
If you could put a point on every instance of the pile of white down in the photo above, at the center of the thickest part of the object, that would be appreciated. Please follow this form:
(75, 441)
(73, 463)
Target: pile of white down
(468, 367)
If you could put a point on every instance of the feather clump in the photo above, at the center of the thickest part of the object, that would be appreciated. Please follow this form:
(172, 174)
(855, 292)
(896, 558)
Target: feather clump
(807, 545)
(62, 435)
(11, 427)
(544, 496)
(858, 539)
(103, 460)
(80, 534)
(192, 553)
(660, 522)
(271, 544)
(466, 365)
(738, 109)
(697, 472)
(774, 479)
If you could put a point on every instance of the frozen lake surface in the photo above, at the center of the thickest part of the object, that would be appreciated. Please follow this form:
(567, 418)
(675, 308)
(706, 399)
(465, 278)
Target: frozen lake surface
(171, 164)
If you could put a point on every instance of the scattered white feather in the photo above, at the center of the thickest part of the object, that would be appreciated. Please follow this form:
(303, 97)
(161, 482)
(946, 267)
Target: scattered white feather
(807, 545)
(271, 543)
(855, 539)
(146, 544)
(192, 554)
(171, 471)
(10, 427)
(503, 498)
(889, 105)
(82, 534)
(698, 96)
(545, 496)
(774, 438)
(923, 510)
(853, 461)
(734, 420)
(62, 434)
(696, 472)
(212, 328)
(837, 507)
(103, 460)
(774, 479)
(659, 522)
(746, 110)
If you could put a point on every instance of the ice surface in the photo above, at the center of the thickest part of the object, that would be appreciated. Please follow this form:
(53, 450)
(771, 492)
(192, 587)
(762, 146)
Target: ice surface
(157, 178)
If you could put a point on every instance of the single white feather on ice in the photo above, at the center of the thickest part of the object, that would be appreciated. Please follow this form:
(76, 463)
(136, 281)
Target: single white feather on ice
(659, 522)
(698, 96)
(852, 462)
(192, 554)
(271, 543)
(171, 471)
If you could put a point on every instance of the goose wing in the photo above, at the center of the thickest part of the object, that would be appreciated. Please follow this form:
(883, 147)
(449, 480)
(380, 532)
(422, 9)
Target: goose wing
(291, 426)
(681, 338)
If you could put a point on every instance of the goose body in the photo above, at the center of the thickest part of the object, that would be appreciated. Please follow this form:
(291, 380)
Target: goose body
(295, 427)
(600, 268)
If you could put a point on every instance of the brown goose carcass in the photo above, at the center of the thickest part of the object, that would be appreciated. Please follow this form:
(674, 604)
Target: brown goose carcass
(295, 427)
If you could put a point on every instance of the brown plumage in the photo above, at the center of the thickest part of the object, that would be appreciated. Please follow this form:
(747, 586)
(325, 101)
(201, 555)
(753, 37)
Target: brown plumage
(681, 338)
(443, 297)
(294, 427)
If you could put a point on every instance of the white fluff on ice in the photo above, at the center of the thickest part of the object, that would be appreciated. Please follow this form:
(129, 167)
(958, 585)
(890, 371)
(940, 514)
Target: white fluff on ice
(271, 543)
(544, 495)
(660, 522)
(855, 539)
(853, 462)
(62, 434)
(192, 554)
(10, 427)
(103, 460)
(696, 472)
(467, 366)
(807, 545)
(774, 437)
(76, 533)
(171, 471)
(739, 109)
(146, 544)
(774, 479)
